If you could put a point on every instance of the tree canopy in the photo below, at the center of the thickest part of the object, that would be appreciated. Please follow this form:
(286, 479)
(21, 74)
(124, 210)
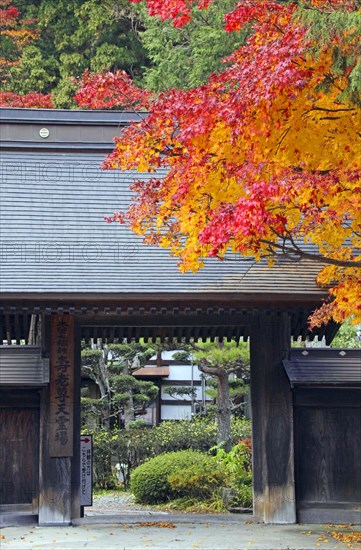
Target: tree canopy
(68, 37)
(262, 158)
(185, 57)
(111, 368)
(265, 156)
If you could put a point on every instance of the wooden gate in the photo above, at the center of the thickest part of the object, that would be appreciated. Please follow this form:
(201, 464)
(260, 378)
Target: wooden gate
(19, 459)
(328, 442)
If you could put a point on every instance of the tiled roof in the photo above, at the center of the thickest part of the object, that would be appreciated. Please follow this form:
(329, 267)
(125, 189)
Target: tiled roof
(317, 368)
(54, 237)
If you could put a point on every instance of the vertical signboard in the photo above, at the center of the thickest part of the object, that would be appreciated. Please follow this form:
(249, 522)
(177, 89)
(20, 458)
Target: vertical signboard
(61, 386)
(86, 470)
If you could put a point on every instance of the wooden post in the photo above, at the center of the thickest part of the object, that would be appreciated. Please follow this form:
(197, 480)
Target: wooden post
(56, 424)
(61, 385)
(272, 421)
(75, 473)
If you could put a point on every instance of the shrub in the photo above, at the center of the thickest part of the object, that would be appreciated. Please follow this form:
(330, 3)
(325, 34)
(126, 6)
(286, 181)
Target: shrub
(200, 480)
(238, 464)
(243, 497)
(199, 434)
(133, 446)
(104, 444)
(176, 475)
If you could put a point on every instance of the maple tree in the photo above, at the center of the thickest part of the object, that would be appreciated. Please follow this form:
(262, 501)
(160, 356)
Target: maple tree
(63, 39)
(15, 34)
(108, 89)
(31, 100)
(263, 158)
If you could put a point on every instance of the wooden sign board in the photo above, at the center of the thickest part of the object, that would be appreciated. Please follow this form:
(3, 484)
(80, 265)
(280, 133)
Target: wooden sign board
(86, 470)
(61, 386)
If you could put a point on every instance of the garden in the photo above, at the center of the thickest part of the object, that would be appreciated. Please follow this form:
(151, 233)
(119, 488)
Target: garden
(177, 465)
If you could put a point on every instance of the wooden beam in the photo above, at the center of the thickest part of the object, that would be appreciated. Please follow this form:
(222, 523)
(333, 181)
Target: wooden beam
(55, 472)
(75, 462)
(272, 421)
(61, 385)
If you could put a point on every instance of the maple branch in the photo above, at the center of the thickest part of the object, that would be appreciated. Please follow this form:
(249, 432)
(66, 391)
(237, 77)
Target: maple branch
(296, 251)
(225, 259)
(331, 110)
(283, 137)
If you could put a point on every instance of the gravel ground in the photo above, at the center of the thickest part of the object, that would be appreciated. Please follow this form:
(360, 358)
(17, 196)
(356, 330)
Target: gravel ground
(116, 502)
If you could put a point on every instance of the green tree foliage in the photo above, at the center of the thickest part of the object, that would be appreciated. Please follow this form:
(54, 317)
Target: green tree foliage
(74, 35)
(111, 368)
(349, 336)
(184, 58)
(15, 35)
(228, 365)
(340, 30)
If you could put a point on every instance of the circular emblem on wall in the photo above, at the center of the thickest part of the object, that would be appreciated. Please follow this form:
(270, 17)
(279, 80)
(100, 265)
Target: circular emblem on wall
(44, 133)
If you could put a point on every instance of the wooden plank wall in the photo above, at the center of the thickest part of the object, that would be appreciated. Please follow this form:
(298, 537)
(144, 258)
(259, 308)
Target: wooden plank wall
(19, 456)
(328, 446)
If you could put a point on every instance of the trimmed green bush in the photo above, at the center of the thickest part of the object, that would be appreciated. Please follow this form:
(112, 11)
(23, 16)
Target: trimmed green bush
(175, 475)
(200, 480)
(134, 446)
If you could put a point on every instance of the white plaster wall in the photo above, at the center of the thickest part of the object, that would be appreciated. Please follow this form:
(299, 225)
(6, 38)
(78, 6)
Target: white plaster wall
(180, 412)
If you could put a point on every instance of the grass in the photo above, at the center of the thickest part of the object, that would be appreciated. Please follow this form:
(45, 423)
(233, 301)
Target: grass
(214, 505)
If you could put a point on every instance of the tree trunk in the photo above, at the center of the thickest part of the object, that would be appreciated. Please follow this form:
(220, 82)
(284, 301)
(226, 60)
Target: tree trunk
(129, 415)
(224, 412)
(129, 412)
(105, 396)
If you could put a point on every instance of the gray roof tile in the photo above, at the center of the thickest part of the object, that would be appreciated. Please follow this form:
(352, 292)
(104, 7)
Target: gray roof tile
(53, 236)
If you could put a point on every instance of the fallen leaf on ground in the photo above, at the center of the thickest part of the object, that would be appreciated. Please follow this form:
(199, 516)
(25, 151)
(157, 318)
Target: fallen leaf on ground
(347, 537)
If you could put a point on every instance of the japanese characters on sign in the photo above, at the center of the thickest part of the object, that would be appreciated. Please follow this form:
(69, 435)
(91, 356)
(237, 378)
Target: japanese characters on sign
(61, 386)
(86, 470)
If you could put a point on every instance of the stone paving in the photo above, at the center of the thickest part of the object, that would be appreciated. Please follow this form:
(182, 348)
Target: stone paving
(116, 522)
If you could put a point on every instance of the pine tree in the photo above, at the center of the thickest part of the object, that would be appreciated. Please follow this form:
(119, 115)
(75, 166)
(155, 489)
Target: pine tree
(121, 396)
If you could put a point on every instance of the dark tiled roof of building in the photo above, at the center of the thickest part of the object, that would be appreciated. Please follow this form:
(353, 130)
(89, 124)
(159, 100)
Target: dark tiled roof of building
(316, 368)
(54, 197)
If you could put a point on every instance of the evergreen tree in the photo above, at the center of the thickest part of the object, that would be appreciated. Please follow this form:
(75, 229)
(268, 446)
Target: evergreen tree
(74, 35)
(226, 366)
(121, 395)
(184, 57)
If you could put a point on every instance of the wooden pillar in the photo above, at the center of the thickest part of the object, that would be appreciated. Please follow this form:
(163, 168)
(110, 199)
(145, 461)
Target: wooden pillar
(272, 421)
(57, 424)
(75, 473)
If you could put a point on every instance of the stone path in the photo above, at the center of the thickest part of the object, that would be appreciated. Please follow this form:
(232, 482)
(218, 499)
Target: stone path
(116, 522)
(116, 502)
